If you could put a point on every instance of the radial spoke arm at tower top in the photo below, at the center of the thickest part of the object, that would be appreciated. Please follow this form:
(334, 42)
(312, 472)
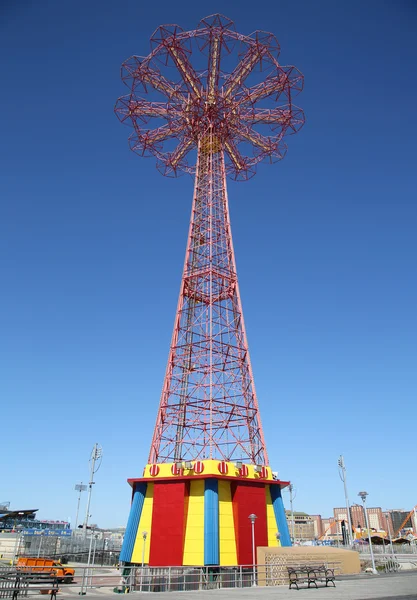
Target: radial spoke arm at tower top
(284, 79)
(161, 133)
(184, 67)
(214, 68)
(235, 155)
(264, 143)
(244, 68)
(179, 153)
(135, 71)
(127, 108)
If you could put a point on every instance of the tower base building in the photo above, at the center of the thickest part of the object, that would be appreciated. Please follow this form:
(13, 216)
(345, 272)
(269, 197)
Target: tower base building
(197, 514)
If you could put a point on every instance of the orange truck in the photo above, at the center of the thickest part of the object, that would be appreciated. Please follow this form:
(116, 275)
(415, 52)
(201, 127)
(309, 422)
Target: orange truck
(46, 565)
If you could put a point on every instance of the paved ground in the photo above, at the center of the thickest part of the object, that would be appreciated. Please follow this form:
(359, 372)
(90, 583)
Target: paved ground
(381, 587)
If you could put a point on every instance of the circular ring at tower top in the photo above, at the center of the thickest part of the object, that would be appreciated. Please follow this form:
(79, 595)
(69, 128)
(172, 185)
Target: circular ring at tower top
(213, 90)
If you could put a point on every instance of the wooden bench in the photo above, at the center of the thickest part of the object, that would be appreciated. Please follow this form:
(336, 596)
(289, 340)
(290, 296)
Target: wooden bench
(14, 585)
(310, 574)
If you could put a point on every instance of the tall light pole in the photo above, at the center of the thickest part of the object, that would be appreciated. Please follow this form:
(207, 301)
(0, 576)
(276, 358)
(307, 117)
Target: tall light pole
(342, 473)
(363, 495)
(252, 519)
(96, 455)
(79, 487)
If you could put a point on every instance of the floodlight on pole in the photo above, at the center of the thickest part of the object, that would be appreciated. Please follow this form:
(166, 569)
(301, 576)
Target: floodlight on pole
(342, 474)
(363, 496)
(96, 456)
(79, 487)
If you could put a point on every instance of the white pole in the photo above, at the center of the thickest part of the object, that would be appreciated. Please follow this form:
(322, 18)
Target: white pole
(341, 463)
(40, 545)
(82, 593)
(252, 519)
(95, 455)
(363, 496)
(144, 535)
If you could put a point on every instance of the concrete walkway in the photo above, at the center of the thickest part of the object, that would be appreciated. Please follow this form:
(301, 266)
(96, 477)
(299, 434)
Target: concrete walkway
(383, 587)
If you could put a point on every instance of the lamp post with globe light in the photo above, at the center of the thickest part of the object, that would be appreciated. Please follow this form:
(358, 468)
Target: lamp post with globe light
(144, 536)
(363, 496)
(252, 519)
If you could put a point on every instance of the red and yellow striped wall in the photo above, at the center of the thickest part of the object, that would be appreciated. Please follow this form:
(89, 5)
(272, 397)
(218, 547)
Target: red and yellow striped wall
(197, 514)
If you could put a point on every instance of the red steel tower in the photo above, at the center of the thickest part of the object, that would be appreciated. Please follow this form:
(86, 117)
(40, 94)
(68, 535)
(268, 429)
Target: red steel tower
(216, 112)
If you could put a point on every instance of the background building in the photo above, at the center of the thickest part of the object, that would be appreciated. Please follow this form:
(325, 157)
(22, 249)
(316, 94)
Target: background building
(304, 526)
(396, 518)
(318, 525)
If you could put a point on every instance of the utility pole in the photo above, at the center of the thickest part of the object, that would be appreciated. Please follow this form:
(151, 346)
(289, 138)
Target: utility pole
(342, 473)
(96, 455)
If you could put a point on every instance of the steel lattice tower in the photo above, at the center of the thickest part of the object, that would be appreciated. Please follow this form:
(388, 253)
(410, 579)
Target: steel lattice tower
(211, 121)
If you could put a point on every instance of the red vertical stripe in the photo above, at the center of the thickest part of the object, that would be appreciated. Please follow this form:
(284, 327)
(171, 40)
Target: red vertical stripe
(249, 498)
(168, 523)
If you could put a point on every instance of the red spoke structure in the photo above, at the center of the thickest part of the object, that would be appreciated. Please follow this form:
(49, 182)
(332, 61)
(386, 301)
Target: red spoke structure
(213, 103)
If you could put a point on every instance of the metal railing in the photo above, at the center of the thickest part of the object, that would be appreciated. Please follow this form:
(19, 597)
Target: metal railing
(146, 579)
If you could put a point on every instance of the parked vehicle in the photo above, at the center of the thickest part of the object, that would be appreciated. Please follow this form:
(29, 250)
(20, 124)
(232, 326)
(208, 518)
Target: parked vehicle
(46, 565)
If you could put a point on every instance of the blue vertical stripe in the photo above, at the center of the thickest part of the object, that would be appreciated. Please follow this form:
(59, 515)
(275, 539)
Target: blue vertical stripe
(280, 517)
(133, 522)
(211, 522)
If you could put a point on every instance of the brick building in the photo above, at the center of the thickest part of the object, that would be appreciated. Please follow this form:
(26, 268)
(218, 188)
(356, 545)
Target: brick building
(318, 525)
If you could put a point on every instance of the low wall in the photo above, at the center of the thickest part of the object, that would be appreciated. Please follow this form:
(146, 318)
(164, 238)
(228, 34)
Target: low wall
(276, 561)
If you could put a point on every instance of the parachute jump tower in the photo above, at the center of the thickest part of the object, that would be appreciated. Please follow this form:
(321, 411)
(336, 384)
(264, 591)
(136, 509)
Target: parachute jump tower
(220, 103)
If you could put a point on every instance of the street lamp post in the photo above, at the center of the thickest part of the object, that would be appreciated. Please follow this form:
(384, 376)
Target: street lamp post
(278, 536)
(363, 495)
(252, 519)
(144, 536)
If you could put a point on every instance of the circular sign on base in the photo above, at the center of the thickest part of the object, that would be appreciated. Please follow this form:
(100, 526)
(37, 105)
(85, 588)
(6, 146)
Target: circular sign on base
(198, 467)
(244, 471)
(153, 470)
(223, 468)
(264, 472)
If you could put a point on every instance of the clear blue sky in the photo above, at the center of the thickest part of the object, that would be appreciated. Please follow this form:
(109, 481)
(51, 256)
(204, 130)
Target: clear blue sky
(92, 240)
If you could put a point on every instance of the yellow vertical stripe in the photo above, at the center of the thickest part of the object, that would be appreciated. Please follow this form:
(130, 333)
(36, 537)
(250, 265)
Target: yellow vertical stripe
(144, 525)
(228, 553)
(270, 520)
(194, 532)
